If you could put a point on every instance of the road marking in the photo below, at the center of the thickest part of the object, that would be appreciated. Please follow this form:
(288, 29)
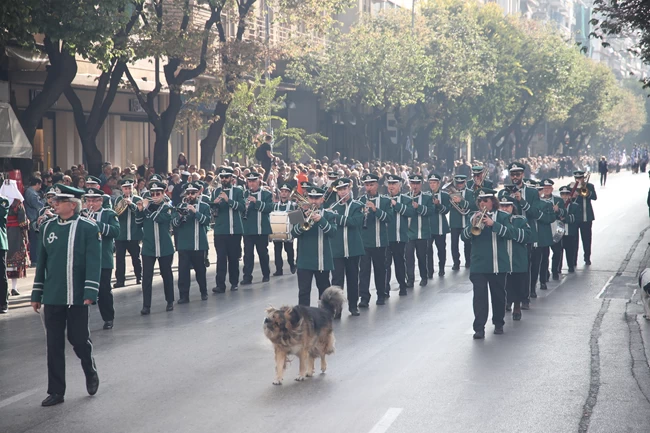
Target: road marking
(17, 397)
(604, 287)
(385, 422)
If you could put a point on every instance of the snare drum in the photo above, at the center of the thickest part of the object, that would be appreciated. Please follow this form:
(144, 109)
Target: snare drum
(280, 227)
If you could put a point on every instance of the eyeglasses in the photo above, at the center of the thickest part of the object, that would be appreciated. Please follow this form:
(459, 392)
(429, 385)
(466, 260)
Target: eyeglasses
(190, 193)
(156, 194)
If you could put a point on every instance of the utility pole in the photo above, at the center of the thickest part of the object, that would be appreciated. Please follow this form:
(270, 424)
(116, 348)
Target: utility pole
(268, 58)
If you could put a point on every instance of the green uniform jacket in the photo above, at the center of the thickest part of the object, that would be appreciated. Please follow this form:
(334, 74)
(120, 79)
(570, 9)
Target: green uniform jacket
(543, 223)
(287, 206)
(376, 233)
(520, 236)
(438, 217)
(4, 211)
(573, 215)
(490, 249)
(155, 222)
(257, 221)
(398, 228)
(314, 249)
(487, 183)
(467, 204)
(528, 208)
(129, 230)
(229, 221)
(109, 227)
(348, 242)
(331, 197)
(69, 262)
(586, 210)
(419, 225)
(191, 230)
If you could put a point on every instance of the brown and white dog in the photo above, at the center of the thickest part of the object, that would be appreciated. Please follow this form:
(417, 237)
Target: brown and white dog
(305, 332)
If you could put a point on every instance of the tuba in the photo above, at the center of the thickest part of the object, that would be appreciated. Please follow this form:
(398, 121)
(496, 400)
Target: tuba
(121, 206)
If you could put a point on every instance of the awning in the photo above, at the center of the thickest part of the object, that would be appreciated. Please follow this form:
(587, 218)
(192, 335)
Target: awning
(13, 140)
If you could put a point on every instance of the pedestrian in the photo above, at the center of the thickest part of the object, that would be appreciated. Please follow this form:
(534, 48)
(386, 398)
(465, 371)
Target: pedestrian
(264, 155)
(603, 169)
(66, 283)
(17, 234)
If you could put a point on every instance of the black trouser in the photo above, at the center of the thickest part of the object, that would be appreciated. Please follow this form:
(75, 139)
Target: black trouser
(375, 257)
(419, 247)
(455, 252)
(347, 268)
(288, 247)
(556, 261)
(517, 287)
(261, 244)
(121, 247)
(266, 165)
(395, 254)
(305, 277)
(570, 245)
(585, 234)
(497, 286)
(56, 318)
(33, 246)
(105, 295)
(228, 253)
(441, 246)
(4, 286)
(165, 266)
(536, 268)
(603, 178)
(195, 260)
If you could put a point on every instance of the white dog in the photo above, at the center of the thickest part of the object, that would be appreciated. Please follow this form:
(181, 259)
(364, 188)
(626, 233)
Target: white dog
(644, 283)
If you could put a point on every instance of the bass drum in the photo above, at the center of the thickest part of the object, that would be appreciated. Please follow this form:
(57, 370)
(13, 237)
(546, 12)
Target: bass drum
(280, 226)
(558, 229)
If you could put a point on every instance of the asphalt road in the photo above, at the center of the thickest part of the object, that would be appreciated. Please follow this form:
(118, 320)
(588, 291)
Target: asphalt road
(577, 362)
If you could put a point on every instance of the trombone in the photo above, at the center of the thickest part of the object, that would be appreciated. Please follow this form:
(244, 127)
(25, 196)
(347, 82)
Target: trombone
(584, 191)
(479, 185)
(453, 192)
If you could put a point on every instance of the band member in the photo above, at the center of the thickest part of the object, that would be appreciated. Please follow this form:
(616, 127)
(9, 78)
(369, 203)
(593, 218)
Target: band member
(227, 205)
(46, 212)
(314, 236)
(419, 232)
(347, 244)
(155, 216)
(284, 205)
(93, 182)
(191, 221)
(257, 228)
(130, 234)
(66, 283)
(586, 194)
(459, 219)
(556, 247)
(109, 227)
(374, 232)
(488, 233)
(439, 226)
(517, 281)
(330, 192)
(541, 248)
(479, 179)
(570, 238)
(398, 235)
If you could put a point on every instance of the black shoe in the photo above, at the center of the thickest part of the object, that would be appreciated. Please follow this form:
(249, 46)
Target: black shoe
(516, 315)
(207, 263)
(337, 315)
(145, 311)
(381, 302)
(441, 272)
(218, 290)
(509, 307)
(108, 324)
(571, 270)
(533, 295)
(587, 262)
(542, 286)
(479, 335)
(525, 305)
(4, 309)
(52, 399)
(246, 282)
(277, 274)
(234, 288)
(293, 269)
(363, 304)
(456, 267)
(266, 279)
(556, 277)
(118, 285)
(92, 384)
(423, 282)
(354, 312)
(409, 284)
(170, 306)
(15, 292)
(387, 294)
(183, 301)
(430, 276)
(498, 330)
(403, 292)
(467, 265)
(204, 296)
(138, 281)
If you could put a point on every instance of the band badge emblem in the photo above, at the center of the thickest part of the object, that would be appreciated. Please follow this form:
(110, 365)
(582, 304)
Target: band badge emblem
(51, 238)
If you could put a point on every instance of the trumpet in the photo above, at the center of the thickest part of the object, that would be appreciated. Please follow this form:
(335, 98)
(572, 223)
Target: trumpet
(478, 224)
(584, 191)
(88, 213)
(309, 221)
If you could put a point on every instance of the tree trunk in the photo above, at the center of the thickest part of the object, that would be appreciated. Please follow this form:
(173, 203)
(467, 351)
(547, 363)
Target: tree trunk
(209, 143)
(164, 131)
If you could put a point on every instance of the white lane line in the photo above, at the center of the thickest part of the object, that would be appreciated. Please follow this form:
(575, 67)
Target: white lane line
(17, 397)
(604, 287)
(385, 422)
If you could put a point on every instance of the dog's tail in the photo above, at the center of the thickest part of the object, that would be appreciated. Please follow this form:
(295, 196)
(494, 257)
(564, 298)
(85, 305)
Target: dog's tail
(332, 300)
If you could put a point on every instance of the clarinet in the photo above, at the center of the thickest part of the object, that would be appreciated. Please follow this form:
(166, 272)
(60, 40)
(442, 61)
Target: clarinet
(366, 211)
(248, 206)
